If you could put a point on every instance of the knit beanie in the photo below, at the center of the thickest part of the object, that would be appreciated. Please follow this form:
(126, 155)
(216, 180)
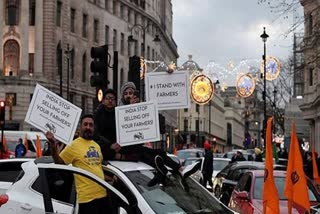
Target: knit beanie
(127, 85)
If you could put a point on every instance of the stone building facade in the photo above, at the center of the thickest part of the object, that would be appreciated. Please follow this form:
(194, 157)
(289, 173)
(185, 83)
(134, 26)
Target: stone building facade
(39, 39)
(311, 97)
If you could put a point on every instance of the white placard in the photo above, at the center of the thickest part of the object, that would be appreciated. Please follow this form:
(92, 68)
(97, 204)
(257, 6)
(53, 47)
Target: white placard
(137, 123)
(48, 111)
(171, 91)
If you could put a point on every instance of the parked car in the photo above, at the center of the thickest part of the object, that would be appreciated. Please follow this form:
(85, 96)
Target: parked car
(9, 172)
(247, 196)
(227, 178)
(45, 187)
(190, 153)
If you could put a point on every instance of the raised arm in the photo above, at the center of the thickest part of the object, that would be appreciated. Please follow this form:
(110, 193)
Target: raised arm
(54, 151)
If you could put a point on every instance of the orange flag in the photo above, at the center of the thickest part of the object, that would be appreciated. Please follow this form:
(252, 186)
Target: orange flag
(25, 142)
(316, 177)
(38, 145)
(270, 192)
(296, 189)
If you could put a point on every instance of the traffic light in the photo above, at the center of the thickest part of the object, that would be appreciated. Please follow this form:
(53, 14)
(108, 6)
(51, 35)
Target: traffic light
(99, 67)
(134, 74)
(2, 112)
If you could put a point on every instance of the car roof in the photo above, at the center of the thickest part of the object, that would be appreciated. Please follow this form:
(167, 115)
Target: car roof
(223, 159)
(191, 150)
(16, 160)
(127, 166)
(256, 164)
(260, 173)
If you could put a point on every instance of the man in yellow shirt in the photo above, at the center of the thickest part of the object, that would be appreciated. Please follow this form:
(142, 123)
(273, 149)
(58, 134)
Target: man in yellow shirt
(85, 154)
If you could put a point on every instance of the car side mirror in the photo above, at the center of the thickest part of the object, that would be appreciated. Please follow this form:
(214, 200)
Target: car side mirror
(243, 195)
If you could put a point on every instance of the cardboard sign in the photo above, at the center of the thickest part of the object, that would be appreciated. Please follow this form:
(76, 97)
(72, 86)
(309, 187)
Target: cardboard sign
(50, 112)
(137, 123)
(170, 91)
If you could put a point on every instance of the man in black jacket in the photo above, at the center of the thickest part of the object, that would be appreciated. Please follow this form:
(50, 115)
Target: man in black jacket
(105, 125)
(207, 169)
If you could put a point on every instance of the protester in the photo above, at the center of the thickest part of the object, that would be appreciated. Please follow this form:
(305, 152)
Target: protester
(84, 153)
(20, 150)
(46, 149)
(258, 155)
(238, 156)
(207, 169)
(105, 125)
(127, 92)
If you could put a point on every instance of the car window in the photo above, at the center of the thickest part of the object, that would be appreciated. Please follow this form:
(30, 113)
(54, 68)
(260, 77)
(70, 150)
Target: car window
(60, 184)
(235, 174)
(225, 171)
(219, 164)
(9, 171)
(171, 197)
(242, 183)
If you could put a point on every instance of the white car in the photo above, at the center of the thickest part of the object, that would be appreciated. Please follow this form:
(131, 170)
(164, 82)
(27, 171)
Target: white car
(45, 187)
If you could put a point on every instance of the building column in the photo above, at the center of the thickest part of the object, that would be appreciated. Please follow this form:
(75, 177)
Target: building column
(24, 32)
(38, 36)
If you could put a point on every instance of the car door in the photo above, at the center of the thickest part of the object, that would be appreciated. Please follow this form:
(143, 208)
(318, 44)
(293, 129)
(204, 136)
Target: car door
(56, 183)
(244, 185)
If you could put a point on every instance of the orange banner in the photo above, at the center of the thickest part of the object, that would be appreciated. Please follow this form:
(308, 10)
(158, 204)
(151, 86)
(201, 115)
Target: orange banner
(270, 192)
(296, 189)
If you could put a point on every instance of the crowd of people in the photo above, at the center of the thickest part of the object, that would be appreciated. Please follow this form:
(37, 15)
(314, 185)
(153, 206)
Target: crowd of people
(98, 137)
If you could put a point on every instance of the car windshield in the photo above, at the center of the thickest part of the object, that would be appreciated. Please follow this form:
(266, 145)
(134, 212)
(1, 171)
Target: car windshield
(171, 197)
(188, 154)
(219, 164)
(280, 183)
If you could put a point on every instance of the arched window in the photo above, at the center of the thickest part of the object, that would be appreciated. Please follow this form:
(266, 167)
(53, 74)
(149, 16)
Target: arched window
(59, 59)
(84, 67)
(12, 12)
(11, 62)
(72, 63)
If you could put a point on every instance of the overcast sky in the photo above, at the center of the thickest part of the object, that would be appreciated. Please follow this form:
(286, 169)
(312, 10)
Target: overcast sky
(225, 31)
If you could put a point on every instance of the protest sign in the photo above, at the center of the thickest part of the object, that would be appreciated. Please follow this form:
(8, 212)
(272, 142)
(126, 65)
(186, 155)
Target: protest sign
(50, 112)
(137, 123)
(170, 91)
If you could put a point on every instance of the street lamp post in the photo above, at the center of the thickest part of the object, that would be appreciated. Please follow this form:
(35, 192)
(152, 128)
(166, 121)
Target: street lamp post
(68, 52)
(264, 38)
(131, 39)
(198, 143)
(274, 110)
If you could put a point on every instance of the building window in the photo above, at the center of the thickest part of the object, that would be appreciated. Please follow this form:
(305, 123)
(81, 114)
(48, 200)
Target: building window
(71, 97)
(122, 44)
(229, 134)
(84, 25)
(84, 67)
(11, 98)
(59, 59)
(142, 50)
(83, 103)
(58, 13)
(115, 47)
(72, 20)
(311, 76)
(106, 4)
(96, 30)
(310, 24)
(114, 7)
(12, 12)
(185, 110)
(11, 62)
(148, 52)
(106, 34)
(72, 63)
(121, 11)
(129, 15)
(32, 12)
(197, 108)
(31, 63)
(121, 77)
(152, 54)
(185, 125)
(197, 125)
(136, 48)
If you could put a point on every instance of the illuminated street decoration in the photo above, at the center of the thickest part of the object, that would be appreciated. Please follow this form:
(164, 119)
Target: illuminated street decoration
(272, 68)
(201, 89)
(245, 85)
